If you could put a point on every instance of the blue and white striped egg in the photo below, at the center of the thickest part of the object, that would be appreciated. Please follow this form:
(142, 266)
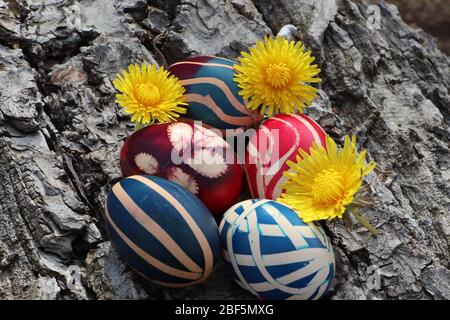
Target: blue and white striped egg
(273, 254)
(162, 231)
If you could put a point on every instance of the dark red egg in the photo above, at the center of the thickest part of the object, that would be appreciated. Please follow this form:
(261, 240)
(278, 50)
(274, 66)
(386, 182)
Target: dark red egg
(189, 154)
(277, 140)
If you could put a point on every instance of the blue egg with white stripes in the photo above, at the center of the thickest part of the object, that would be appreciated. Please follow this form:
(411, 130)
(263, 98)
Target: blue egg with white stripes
(162, 231)
(273, 254)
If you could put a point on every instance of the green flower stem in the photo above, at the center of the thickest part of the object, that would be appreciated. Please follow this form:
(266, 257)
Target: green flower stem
(364, 222)
(137, 126)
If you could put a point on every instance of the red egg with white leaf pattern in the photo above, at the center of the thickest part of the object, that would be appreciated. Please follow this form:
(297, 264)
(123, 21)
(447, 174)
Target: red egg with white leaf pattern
(276, 141)
(189, 154)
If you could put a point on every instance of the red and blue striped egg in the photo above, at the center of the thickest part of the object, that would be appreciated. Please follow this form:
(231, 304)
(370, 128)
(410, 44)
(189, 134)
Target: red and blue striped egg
(162, 231)
(212, 94)
(276, 141)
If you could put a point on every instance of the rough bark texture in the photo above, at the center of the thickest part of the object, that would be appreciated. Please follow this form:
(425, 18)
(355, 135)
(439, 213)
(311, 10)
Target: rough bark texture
(431, 15)
(60, 134)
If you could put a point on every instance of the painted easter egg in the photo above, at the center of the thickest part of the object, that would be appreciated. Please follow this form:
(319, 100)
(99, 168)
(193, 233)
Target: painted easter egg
(189, 154)
(162, 231)
(273, 254)
(277, 140)
(212, 94)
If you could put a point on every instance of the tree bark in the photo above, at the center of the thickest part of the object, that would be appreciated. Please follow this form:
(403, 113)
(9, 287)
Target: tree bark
(61, 132)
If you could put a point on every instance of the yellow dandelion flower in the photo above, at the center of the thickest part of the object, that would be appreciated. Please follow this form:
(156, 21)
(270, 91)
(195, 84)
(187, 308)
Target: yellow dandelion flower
(274, 76)
(150, 94)
(322, 184)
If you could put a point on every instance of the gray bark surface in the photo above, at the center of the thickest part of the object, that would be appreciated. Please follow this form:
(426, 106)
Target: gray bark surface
(61, 132)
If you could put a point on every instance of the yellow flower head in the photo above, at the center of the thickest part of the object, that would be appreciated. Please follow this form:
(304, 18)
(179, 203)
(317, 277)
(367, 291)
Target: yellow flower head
(150, 94)
(323, 183)
(274, 76)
